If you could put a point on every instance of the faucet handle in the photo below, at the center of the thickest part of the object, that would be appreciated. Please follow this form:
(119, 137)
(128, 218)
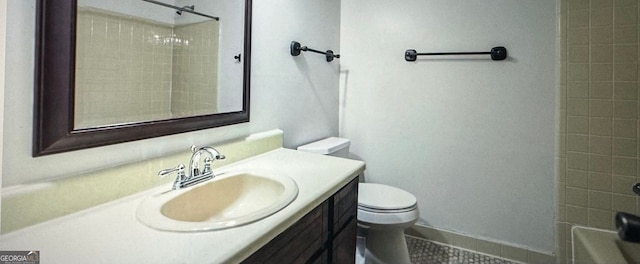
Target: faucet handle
(165, 172)
(177, 184)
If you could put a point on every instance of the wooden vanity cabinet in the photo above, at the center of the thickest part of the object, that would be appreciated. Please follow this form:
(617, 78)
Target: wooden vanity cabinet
(327, 234)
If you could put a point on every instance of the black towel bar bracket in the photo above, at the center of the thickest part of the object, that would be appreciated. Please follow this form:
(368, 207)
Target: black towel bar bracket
(296, 48)
(497, 54)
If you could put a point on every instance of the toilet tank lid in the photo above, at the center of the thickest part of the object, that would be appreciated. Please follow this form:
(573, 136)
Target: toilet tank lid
(326, 146)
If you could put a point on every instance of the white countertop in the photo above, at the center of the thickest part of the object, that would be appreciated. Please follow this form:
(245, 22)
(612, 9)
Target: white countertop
(110, 233)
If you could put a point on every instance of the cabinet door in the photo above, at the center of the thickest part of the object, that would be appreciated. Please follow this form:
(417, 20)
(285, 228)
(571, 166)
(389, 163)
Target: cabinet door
(327, 234)
(298, 244)
(344, 244)
(323, 258)
(345, 224)
(345, 205)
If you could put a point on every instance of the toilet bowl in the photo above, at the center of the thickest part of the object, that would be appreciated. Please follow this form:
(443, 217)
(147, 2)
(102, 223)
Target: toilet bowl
(384, 212)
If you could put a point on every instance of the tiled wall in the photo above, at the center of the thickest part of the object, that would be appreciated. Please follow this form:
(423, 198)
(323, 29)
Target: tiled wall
(598, 150)
(193, 72)
(130, 69)
(123, 69)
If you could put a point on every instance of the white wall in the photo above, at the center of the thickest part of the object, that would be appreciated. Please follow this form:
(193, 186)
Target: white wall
(3, 27)
(473, 139)
(298, 95)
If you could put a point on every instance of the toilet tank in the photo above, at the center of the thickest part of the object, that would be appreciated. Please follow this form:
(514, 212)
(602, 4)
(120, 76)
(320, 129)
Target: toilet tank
(333, 146)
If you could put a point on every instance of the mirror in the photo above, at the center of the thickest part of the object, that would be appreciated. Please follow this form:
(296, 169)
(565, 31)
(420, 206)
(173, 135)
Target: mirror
(115, 71)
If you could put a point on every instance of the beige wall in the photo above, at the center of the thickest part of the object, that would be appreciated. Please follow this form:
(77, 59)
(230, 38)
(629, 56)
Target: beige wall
(598, 113)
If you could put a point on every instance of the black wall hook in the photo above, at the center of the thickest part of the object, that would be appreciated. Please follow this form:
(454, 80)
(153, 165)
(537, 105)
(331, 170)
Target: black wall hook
(296, 49)
(497, 54)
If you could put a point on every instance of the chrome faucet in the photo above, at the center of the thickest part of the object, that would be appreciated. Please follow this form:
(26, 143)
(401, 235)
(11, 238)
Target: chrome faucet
(195, 175)
(214, 154)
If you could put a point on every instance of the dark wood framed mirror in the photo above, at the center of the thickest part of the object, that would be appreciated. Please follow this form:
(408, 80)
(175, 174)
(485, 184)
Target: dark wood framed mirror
(54, 129)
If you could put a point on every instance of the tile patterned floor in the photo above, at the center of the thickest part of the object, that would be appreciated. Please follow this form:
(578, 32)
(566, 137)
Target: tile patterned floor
(424, 251)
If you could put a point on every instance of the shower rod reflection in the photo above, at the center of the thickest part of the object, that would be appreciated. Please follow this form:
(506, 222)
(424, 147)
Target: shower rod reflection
(188, 9)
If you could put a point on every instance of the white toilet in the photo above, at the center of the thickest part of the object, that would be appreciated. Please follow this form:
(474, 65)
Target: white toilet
(384, 212)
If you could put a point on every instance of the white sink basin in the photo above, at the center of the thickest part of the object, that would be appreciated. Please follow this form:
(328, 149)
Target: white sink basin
(226, 201)
(596, 246)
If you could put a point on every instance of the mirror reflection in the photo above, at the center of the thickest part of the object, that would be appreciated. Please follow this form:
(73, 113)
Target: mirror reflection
(145, 60)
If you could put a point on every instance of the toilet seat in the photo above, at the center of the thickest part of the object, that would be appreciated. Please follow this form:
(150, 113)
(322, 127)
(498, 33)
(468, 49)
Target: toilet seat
(388, 220)
(386, 205)
(386, 211)
(384, 198)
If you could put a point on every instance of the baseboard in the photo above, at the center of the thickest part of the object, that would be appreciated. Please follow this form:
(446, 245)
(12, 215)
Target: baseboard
(491, 248)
